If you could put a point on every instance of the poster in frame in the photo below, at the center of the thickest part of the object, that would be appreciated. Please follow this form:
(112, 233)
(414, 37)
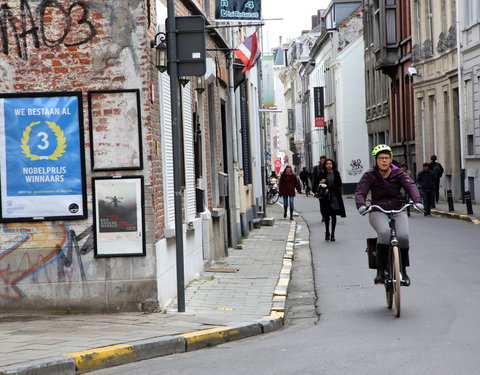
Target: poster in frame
(115, 130)
(119, 216)
(42, 164)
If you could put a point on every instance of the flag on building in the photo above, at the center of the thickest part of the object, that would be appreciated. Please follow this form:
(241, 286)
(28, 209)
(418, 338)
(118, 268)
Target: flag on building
(249, 51)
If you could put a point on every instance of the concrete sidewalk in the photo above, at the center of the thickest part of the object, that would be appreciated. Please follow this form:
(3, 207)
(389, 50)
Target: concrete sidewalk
(244, 295)
(460, 211)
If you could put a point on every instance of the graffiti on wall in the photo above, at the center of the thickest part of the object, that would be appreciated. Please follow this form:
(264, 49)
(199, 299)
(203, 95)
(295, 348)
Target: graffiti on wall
(31, 247)
(72, 26)
(356, 167)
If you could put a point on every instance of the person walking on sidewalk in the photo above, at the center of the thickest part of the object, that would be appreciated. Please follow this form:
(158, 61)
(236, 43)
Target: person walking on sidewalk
(385, 184)
(426, 180)
(437, 170)
(316, 173)
(332, 205)
(305, 178)
(286, 186)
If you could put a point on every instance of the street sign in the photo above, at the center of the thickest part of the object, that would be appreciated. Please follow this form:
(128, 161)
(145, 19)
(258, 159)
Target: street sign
(191, 45)
(237, 10)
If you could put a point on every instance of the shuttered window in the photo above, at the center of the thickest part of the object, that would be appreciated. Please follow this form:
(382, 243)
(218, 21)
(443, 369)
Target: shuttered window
(167, 151)
(189, 154)
(247, 166)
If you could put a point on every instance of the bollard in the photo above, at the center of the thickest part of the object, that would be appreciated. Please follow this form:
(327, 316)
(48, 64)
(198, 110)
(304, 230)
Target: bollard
(468, 202)
(450, 201)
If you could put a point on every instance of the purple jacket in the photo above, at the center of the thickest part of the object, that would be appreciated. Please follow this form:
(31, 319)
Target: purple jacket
(385, 191)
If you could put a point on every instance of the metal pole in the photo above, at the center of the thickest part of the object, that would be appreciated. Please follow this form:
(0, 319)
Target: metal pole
(262, 120)
(177, 155)
(460, 97)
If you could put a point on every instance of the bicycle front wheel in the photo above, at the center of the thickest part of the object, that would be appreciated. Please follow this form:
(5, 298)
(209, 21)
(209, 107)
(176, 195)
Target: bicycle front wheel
(396, 279)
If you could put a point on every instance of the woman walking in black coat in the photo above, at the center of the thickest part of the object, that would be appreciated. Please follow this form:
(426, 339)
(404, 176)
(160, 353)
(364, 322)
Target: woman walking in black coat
(332, 205)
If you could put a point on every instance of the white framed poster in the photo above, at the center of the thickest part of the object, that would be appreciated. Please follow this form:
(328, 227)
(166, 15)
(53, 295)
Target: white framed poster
(115, 130)
(41, 157)
(119, 217)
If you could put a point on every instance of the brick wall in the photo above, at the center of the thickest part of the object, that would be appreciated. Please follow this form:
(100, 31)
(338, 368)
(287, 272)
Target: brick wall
(82, 46)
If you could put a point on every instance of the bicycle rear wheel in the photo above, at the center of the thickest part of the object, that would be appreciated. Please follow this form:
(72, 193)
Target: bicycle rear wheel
(272, 197)
(396, 280)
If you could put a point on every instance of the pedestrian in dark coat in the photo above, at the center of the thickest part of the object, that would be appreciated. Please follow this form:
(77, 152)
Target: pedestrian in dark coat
(437, 170)
(316, 173)
(332, 205)
(426, 180)
(287, 185)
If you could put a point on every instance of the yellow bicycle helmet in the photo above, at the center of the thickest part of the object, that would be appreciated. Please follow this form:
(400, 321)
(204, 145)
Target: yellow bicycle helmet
(381, 149)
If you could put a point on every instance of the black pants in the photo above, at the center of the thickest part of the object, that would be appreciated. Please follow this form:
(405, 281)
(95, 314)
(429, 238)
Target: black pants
(327, 224)
(437, 190)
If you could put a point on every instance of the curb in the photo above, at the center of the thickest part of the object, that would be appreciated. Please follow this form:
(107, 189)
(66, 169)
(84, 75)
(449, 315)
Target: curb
(109, 356)
(454, 215)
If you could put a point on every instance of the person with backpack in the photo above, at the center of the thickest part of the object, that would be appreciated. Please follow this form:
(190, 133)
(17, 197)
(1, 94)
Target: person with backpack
(437, 170)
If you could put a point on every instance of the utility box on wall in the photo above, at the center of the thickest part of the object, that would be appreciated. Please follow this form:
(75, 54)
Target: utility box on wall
(222, 184)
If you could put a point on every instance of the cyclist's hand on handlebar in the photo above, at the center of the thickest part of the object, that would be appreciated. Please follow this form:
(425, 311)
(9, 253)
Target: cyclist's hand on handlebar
(419, 206)
(362, 209)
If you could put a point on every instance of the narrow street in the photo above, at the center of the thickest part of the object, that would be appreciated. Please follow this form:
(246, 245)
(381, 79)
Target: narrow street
(437, 332)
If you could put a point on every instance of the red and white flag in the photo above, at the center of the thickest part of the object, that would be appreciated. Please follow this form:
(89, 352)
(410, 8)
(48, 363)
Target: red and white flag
(249, 51)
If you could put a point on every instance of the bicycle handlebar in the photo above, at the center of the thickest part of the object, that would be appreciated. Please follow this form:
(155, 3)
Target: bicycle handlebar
(392, 212)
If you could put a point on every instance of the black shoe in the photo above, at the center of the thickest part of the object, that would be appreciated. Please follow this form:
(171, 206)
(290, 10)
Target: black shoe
(327, 236)
(284, 214)
(332, 238)
(291, 217)
(405, 278)
(380, 278)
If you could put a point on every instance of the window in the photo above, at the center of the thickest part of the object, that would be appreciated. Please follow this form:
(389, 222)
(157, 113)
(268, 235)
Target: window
(429, 20)
(376, 24)
(418, 23)
(470, 145)
(245, 123)
(432, 134)
(471, 187)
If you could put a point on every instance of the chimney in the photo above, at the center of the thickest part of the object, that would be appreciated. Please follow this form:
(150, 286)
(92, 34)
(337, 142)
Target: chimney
(315, 21)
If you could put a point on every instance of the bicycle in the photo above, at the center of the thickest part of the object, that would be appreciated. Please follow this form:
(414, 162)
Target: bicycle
(272, 192)
(393, 276)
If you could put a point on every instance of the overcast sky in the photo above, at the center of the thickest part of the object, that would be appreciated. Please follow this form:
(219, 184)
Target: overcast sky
(296, 14)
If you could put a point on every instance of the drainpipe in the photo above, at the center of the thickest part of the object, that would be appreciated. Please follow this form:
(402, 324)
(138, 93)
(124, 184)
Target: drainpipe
(460, 99)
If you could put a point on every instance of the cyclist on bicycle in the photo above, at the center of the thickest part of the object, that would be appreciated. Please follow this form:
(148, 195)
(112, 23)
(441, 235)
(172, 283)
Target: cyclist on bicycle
(385, 182)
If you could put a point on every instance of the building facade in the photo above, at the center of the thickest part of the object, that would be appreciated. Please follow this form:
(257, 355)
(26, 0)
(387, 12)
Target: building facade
(376, 85)
(117, 153)
(468, 17)
(435, 90)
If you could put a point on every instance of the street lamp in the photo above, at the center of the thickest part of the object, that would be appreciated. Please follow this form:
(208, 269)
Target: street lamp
(200, 84)
(161, 60)
(183, 80)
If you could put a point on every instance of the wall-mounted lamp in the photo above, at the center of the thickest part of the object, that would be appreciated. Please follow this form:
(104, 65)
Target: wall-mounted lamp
(183, 80)
(200, 84)
(161, 61)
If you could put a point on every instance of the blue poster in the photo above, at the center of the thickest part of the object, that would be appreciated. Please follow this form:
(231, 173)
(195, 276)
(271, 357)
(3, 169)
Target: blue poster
(41, 151)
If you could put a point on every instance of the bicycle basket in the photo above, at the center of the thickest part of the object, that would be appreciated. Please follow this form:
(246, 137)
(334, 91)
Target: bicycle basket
(372, 252)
